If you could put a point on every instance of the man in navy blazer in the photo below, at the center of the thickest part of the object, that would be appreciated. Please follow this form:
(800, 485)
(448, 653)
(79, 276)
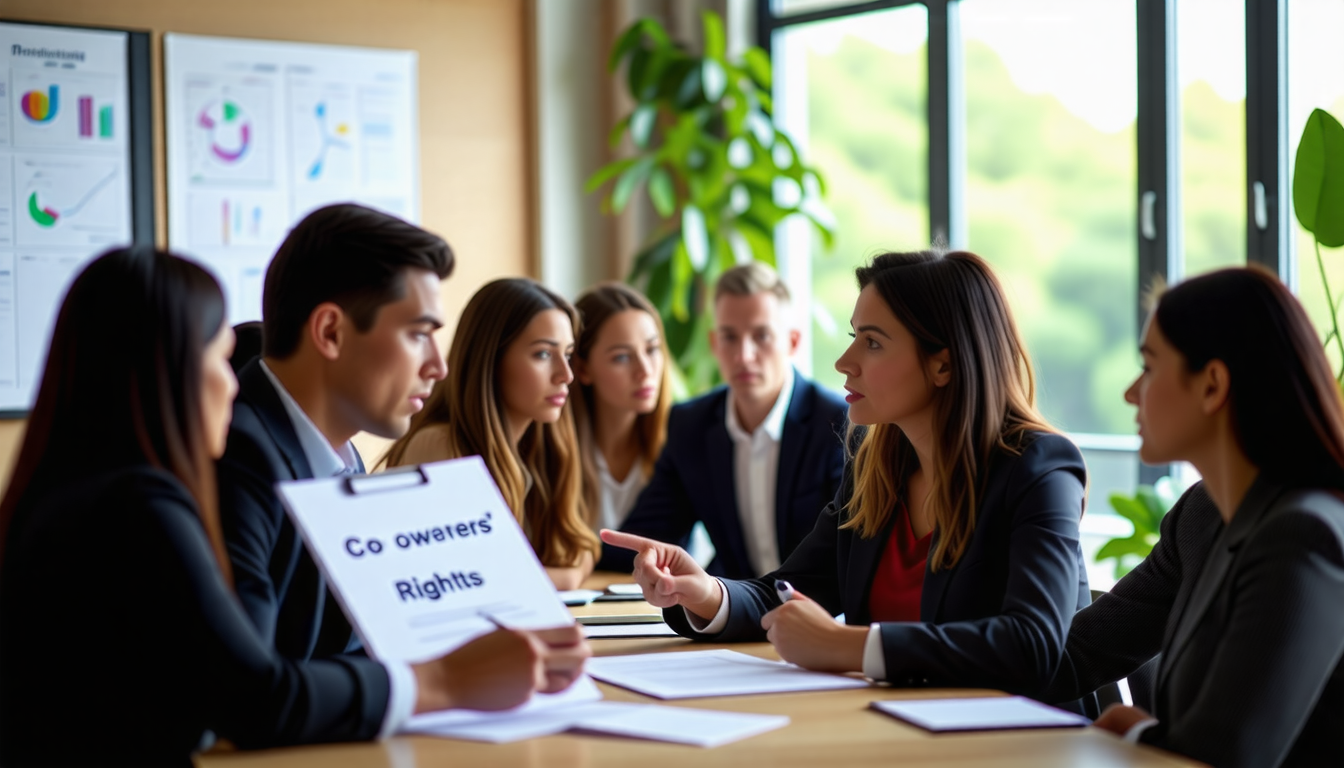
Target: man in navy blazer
(350, 302)
(757, 460)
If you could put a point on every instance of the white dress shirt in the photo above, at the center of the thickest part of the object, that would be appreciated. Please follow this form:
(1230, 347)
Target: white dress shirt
(326, 461)
(618, 498)
(755, 475)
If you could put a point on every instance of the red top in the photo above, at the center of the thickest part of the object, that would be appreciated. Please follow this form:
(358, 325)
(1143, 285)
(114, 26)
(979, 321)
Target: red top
(899, 581)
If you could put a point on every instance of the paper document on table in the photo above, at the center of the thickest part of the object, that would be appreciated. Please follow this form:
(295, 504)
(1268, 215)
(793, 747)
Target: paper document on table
(541, 715)
(697, 727)
(423, 559)
(660, 629)
(996, 713)
(693, 674)
(578, 596)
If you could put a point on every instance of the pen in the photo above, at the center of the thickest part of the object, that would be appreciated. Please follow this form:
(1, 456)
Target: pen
(784, 590)
(498, 624)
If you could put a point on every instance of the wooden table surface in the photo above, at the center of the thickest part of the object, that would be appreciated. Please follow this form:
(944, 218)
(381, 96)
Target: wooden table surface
(826, 728)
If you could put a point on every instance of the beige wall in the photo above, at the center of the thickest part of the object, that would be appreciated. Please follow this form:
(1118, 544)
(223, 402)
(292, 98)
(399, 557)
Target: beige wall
(475, 143)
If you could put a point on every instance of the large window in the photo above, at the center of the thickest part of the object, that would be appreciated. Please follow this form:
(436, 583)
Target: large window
(852, 94)
(1081, 147)
(1050, 187)
(1212, 72)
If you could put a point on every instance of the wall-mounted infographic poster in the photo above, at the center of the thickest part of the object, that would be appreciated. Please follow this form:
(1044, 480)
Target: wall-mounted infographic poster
(261, 133)
(65, 180)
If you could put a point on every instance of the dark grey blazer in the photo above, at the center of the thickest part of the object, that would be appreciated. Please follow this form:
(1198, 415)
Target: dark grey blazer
(1114, 636)
(1252, 635)
(997, 619)
(1250, 672)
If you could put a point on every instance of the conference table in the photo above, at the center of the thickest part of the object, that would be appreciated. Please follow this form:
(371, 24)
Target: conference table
(825, 728)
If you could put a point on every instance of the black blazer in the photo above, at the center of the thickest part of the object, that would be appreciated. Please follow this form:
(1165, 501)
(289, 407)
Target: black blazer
(1124, 628)
(1250, 672)
(115, 613)
(693, 479)
(997, 619)
(274, 575)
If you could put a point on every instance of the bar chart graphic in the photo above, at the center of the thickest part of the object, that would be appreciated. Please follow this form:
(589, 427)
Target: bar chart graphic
(87, 129)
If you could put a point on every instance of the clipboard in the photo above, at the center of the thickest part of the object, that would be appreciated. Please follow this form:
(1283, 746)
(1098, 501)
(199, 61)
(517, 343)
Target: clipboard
(423, 559)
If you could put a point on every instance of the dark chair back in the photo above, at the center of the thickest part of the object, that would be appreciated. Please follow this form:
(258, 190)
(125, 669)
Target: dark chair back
(247, 344)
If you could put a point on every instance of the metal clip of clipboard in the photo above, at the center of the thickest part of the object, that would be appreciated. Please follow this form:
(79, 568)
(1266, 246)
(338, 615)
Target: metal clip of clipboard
(392, 480)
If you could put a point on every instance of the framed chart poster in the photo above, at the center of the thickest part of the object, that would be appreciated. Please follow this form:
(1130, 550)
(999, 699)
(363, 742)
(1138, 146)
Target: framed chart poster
(261, 133)
(76, 176)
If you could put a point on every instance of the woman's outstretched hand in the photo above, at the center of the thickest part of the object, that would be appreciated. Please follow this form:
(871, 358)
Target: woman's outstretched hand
(669, 576)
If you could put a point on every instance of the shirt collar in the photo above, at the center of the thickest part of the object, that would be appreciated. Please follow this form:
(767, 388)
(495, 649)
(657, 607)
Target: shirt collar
(324, 460)
(773, 426)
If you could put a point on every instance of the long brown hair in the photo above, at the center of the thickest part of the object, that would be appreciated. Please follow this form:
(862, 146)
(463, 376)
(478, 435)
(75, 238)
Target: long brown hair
(469, 403)
(122, 384)
(596, 306)
(948, 302)
(1286, 409)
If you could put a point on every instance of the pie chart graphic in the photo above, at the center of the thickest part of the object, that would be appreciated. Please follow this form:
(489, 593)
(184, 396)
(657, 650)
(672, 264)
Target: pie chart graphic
(41, 107)
(229, 129)
(42, 215)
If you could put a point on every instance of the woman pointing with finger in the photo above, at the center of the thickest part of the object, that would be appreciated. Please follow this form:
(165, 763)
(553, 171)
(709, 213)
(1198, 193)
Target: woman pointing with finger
(952, 548)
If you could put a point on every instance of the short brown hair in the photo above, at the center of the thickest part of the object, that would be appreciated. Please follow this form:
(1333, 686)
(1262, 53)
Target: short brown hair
(749, 279)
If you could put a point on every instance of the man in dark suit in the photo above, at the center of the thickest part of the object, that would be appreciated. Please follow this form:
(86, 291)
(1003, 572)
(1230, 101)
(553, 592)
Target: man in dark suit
(351, 301)
(755, 461)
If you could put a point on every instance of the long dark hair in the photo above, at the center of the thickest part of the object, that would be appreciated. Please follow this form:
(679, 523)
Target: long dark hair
(948, 301)
(469, 401)
(596, 306)
(122, 384)
(1286, 409)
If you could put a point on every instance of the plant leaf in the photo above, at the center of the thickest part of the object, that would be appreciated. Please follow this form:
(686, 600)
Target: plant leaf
(713, 79)
(1121, 547)
(757, 62)
(1318, 179)
(682, 272)
(606, 173)
(617, 131)
(689, 90)
(662, 193)
(715, 47)
(623, 44)
(625, 186)
(641, 124)
(695, 237)
(649, 259)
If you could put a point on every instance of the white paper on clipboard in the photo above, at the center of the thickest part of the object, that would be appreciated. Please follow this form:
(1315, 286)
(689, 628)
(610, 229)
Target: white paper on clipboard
(419, 558)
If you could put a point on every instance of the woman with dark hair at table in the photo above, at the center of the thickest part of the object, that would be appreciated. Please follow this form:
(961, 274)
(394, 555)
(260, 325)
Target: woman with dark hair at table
(1244, 594)
(952, 547)
(121, 641)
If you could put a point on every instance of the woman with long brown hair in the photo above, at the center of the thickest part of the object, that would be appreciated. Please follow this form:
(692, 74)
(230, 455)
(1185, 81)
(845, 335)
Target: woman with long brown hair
(623, 400)
(506, 399)
(116, 599)
(1242, 595)
(952, 547)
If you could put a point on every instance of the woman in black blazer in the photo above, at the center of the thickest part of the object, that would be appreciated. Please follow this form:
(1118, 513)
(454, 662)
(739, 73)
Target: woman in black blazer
(952, 548)
(1236, 383)
(121, 641)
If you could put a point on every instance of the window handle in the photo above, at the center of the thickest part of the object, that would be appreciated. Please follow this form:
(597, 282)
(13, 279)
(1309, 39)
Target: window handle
(1147, 215)
(1260, 207)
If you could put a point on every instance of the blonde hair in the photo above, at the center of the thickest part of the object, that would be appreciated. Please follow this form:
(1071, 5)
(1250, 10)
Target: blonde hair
(469, 403)
(749, 279)
(596, 306)
(948, 302)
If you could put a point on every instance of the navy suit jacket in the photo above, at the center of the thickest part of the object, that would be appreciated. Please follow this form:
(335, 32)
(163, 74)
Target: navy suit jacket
(274, 575)
(693, 479)
(997, 619)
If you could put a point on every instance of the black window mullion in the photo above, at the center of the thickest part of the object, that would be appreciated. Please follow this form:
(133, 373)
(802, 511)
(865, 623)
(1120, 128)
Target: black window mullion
(1158, 133)
(947, 125)
(1268, 229)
